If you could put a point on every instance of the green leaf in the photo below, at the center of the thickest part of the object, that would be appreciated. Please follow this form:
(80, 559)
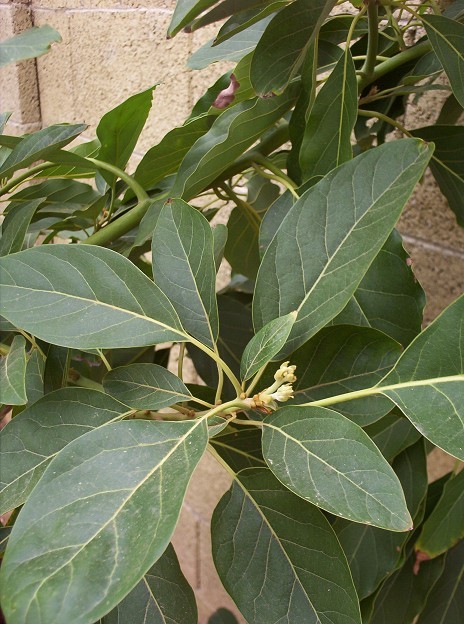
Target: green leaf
(239, 448)
(326, 140)
(430, 374)
(165, 157)
(135, 475)
(327, 459)
(184, 268)
(265, 344)
(220, 234)
(245, 19)
(392, 434)
(4, 117)
(298, 572)
(145, 386)
(236, 129)
(373, 553)
(236, 332)
(35, 377)
(342, 359)
(320, 254)
(86, 169)
(404, 594)
(283, 46)
(13, 374)
(32, 438)
(30, 43)
(445, 603)
(233, 49)
(389, 297)
(85, 298)
(56, 368)
(445, 526)
(120, 128)
(40, 146)
(15, 225)
(185, 12)
(163, 595)
(222, 616)
(447, 164)
(447, 39)
(225, 9)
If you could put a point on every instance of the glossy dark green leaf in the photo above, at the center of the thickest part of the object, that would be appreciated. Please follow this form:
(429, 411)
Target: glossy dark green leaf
(242, 250)
(280, 582)
(85, 169)
(318, 256)
(447, 39)
(342, 359)
(327, 459)
(33, 437)
(165, 157)
(35, 377)
(161, 597)
(233, 49)
(222, 616)
(220, 235)
(373, 553)
(145, 386)
(450, 111)
(39, 145)
(61, 197)
(56, 368)
(13, 374)
(404, 594)
(28, 44)
(447, 164)
(326, 140)
(265, 344)
(445, 526)
(239, 448)
(273, 219)
(392, 434)
(389, 296)
(135, 471)
(14, 226)
(231, 134)
(4, 535)
(445, 603)
(185, 12)
(283, 46)
(85, 297)
(120, 128)
(430, 374)
(224, 9)
(236, 330)
(184, 268)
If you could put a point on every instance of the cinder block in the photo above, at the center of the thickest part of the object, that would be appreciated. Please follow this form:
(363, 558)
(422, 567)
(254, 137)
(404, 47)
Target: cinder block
(108, 57)
(428, 216)
(440, 273)
(75, 5)
(55, 72)
(208, 484)
(439, 463)
(18, 81)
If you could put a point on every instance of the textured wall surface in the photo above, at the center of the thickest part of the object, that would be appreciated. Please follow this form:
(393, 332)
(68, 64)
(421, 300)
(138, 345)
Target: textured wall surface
(112, 49)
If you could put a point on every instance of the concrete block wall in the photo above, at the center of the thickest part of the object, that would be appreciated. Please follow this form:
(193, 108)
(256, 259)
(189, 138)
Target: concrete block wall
(112, 49)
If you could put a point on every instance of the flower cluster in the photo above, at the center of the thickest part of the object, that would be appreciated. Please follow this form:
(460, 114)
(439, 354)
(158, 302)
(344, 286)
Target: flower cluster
(281, 390)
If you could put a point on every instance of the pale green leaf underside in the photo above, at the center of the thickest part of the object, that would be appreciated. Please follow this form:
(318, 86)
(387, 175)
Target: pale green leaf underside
(31, 43)
(145, 386)
(83, 531)
(320, 253)
(33, 437)
(85, 298)
(13, 374)
(327, 459)
(298, 572)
